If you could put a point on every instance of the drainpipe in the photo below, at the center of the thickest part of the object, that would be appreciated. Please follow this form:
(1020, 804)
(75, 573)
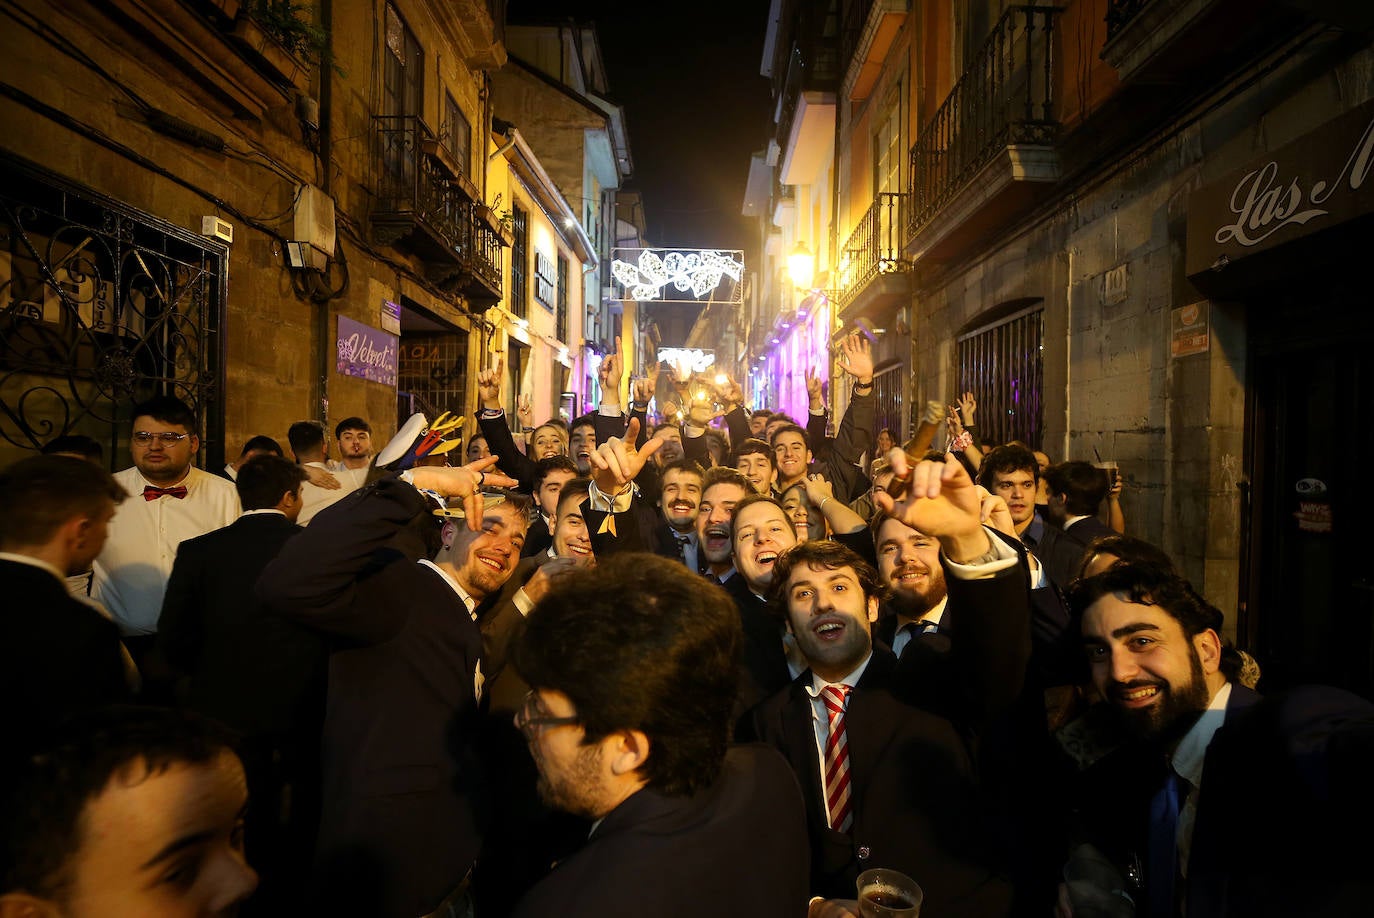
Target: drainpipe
(324, 355)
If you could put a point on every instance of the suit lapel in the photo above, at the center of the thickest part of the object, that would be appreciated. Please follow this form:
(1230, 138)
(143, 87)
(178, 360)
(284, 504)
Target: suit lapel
(871, 721)
(799, 738)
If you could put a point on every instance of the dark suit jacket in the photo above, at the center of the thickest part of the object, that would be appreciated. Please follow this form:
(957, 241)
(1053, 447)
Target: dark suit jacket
(402, 784)
(1062, 550)
(1281, 768)
(763, 663)
(736, 848)
(912, 788)
(501, 443)
(256, 671)
(64, 656)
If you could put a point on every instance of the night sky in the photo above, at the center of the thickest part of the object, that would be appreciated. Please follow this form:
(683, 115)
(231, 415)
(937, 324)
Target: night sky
(696, 106)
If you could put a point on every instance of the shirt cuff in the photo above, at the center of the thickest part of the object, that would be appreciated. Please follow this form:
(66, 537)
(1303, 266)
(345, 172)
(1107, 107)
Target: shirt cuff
(1006, 559)
(609, 411)
(610, 503)
(522, 601)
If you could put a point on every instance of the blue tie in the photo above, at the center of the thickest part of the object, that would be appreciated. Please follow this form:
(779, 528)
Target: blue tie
(1164, 807)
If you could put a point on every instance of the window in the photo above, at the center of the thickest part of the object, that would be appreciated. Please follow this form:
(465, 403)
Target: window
(887, 146)
(519, 263)
(561, 316)
(456, 134)
(403, 70)
(1000, 363)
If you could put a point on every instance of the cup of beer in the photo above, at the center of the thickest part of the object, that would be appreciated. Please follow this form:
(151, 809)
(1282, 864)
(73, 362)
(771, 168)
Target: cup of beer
(887, 893)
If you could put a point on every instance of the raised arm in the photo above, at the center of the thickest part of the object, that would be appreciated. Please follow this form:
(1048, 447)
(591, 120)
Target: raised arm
(492, 422)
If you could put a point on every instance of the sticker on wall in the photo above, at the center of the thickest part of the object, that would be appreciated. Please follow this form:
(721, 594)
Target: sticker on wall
(1189, 329)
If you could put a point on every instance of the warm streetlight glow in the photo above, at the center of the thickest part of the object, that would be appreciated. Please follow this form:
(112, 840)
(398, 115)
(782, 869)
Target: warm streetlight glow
(801, 265)
(721, 379)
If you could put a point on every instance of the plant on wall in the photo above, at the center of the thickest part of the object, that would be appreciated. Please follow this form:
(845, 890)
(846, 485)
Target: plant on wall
(292, 26)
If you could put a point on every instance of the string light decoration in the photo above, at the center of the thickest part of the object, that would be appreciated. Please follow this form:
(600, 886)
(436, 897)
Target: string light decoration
(654, 274)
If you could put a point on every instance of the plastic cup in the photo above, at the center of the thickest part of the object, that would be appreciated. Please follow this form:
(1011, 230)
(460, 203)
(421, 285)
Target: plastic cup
(887, 893)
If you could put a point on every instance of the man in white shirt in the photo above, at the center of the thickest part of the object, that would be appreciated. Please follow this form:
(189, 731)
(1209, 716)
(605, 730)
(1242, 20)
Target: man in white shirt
(170, 501)
(354, 439)
(311, 449)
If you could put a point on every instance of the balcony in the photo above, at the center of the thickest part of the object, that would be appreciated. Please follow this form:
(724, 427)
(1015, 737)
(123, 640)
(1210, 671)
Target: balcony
(870, 27)
(806, 113)
(1177, 41)
(423, 209)
(872, 276)
(988, 152)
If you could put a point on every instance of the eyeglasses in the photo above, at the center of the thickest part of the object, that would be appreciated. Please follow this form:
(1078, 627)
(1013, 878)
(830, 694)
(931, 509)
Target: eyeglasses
(529, 721)
(166, 438)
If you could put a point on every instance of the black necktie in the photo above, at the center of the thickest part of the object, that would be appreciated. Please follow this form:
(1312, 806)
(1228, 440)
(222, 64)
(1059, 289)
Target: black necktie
(682, 541)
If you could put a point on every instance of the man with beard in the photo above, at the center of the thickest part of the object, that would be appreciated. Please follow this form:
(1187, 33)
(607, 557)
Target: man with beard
(888, 783)
(397, 588)
(354, 439)
(633, 670)
(1221, 802)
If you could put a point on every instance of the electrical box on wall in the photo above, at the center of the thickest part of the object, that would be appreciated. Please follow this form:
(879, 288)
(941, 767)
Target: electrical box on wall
(314, 224)
(216, 228)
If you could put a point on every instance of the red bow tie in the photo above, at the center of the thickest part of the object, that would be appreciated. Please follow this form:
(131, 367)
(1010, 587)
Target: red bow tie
(152, 493)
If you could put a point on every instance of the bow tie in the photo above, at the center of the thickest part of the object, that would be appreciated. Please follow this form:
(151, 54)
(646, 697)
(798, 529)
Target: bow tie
(152, 493)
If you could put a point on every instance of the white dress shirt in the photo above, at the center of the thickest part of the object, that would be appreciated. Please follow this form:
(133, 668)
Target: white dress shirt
(131, 572)
(820, 717)
(314, 498)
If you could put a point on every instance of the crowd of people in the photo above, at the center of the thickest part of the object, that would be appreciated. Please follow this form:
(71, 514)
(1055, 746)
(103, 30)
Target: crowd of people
(676, 657)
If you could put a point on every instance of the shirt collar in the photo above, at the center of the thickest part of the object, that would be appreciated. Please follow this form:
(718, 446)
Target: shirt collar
(1192, 749)
(263, 511)
(934, 614)
(851, 679)
(1070, 520)
(457, 587)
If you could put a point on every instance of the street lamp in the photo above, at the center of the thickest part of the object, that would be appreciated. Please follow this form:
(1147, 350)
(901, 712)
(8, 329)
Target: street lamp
(801, 265)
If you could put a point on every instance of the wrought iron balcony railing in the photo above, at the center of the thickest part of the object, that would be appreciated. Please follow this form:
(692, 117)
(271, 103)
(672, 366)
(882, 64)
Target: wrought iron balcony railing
(1004, 97)
(874, 248)
(815, 67)
(419, 202)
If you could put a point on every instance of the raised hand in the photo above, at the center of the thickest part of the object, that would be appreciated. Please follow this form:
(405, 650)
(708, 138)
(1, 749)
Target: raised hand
(489, 383)
(813, 388)
(856, 358)
(967, 406)
(548, 572)
(464, 482)
(938, 499)
(616, 462)
(611, 370)
(524, 410)
(729, 392)
(995, 513)
(645, 387)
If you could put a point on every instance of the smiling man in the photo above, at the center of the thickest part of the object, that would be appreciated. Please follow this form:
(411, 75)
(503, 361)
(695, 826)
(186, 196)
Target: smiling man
(754, 460)
(633, 673)
(904, 798)
(721, 491)
(398, 589)
(127, 812)
(1178, 799)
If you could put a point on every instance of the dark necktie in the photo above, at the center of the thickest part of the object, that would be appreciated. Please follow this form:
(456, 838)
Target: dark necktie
(152, 493)
(682, 542)
(1163, 868)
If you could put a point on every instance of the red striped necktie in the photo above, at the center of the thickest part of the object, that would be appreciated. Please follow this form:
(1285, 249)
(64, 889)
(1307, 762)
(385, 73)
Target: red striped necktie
(837, 760)
(152, 493)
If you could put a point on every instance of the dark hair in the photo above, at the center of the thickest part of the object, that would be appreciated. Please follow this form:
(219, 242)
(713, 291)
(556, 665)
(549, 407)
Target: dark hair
(79, 444)
(305, 437)
(754, 446)
(354, 423)
(637, 643)
(690, 466)
(790, 428)
(41, 493)
(1129, 550)
(169, 410)
(781, 416)
(825, 554)
(723, 444)
(261, 442)
(760, 413)
(662, 424)
(582, 420)
(46, 791)
(559, 463)
(263, 480)
(573, 486)
(1084, 486)
(1003, 460)
(718, 474)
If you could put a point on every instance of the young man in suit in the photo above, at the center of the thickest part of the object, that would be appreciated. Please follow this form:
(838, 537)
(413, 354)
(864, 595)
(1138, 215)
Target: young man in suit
(1221, 802)
(1075, 492)
(64, 654)
(255, 671)
(888, 783)
(633, 667)
(397, 588)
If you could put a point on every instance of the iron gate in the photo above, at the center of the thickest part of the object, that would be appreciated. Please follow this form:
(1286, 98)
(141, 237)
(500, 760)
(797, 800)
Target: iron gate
(100, 307)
